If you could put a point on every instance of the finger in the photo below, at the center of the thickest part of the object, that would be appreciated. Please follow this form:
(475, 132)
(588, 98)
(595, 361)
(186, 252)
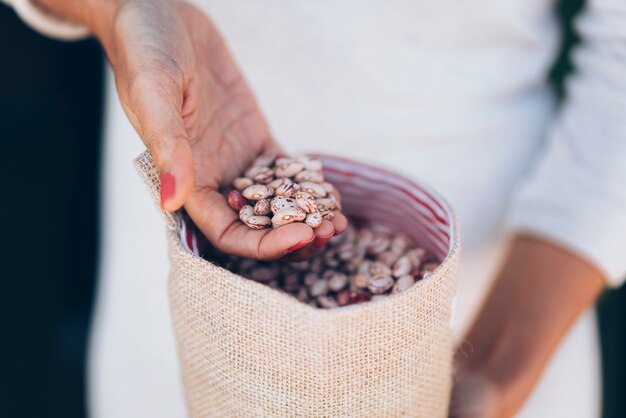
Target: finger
(221, 225)
(340, 222)
(323, 234)
(305, 253)
(156, 106)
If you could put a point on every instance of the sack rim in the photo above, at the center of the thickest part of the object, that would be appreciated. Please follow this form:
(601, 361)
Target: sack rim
(438, 274)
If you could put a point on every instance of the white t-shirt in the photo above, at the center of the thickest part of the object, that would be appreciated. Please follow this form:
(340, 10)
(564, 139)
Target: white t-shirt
(451, 92)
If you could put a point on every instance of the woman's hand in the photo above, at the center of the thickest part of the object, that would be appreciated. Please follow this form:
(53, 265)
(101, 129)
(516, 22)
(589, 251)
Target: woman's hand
(540, 292)
(190, 104)
(474, 395)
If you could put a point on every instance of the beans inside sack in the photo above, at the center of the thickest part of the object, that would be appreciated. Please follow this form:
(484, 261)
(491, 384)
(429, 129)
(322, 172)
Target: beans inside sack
(276, 191)
(362, 264)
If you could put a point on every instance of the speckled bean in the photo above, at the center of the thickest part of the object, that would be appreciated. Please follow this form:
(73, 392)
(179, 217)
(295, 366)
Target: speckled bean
(257, 192)
(288, 215)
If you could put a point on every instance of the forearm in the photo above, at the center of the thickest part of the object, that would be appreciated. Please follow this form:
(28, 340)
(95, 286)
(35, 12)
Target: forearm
(540, 292)
(97, 15)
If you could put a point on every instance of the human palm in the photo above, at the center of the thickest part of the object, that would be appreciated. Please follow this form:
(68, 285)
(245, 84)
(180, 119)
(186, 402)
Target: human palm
(192, 107)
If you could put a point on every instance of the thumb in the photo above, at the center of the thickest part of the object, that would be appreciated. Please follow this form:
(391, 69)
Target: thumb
(155, 108)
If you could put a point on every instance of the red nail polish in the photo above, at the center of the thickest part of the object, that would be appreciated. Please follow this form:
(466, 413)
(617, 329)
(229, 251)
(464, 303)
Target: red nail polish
(299, 245)
(168, 187)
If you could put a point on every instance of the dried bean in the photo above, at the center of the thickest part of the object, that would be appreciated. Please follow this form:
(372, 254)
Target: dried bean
(332, 262)
(417, 257)
(265, 160)
(279, 203)
(365, 266)
(241, 183)
(399, 244)
(306, 202)
(351, 265)
(310, 278)
(264, 176)
(337, 282)
(280, 161)
(313, 188)
(315, 176)
(289, 169)
(343, 297)
(403, 283)
(317, 265)
(429, 267)
(360, 280)
(388, 257)
(359, 297)
(253, 171)
(257, 192)
(328, 187)
(258, 222)
(313, 219)
(299, 265)
(379, 244)
(327, 302)
(364, 238)
(325, 203)
(247, 263)
(402, 267)
(302, 295)
(287, 189)
(380, 284)
(346, 251)
(245, 212)
(319, 288)
(262, 207)
(291, 282)
(328, 274)
(263, 274)
(276, 183)
(236, 200)
(311, 163)
(379, 269)
(287, 216)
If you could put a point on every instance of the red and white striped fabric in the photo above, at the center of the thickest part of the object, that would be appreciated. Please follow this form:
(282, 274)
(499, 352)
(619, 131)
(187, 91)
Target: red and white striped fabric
(380, 197)
(386, 198)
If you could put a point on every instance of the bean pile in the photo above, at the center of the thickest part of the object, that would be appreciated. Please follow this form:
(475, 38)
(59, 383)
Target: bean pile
(276, 191)
(363, 264)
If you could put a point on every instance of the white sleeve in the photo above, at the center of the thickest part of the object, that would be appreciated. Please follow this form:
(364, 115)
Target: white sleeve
(576, 195)
(46, 23)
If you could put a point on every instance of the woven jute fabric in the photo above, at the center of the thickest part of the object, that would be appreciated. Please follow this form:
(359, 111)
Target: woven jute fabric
(247, 350)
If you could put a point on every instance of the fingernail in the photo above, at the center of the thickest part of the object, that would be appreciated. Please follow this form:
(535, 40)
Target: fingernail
(319, 242)
(168, 187)
(299, 245)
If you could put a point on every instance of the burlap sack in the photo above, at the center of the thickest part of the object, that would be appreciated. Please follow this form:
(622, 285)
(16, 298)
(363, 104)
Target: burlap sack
(247, 350)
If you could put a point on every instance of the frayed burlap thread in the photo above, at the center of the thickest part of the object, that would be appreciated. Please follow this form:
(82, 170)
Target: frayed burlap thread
(247, 350)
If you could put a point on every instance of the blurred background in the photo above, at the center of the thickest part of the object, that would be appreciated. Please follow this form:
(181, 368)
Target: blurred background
(50, 118)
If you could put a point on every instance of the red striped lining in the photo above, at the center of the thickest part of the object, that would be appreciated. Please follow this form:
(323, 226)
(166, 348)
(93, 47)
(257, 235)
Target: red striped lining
(387, 198)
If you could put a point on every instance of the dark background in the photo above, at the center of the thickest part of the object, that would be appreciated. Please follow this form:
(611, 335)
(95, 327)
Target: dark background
(50, 119)
(50, 116)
